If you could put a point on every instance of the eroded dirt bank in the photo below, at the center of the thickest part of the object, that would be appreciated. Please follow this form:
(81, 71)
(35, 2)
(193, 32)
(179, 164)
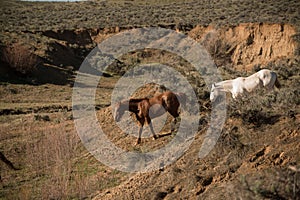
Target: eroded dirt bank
(247, 45)
(241, 47)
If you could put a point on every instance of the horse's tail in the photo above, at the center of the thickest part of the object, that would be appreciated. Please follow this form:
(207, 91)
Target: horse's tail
(182, 98)
(277, 83)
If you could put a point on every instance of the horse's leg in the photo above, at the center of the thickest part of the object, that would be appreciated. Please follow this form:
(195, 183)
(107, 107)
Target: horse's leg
(148, 120)
(152, 131)
(234, 92)
(234, 95)
(173, 124)
(141, 124)
(138, 141)
(175, 114)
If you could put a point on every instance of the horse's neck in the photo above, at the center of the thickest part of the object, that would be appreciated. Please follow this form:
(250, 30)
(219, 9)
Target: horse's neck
(257, 74)
(226, 85)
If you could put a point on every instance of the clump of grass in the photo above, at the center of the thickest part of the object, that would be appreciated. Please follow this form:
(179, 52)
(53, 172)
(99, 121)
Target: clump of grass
(41, 118)
(48, 163)
(219, 50)
(19, 58)
(272, 184)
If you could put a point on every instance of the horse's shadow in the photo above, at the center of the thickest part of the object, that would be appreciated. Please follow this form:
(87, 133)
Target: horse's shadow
(164, 134)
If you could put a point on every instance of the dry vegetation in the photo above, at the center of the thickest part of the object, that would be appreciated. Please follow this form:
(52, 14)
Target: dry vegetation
(107, 14)
(38, 137)
(19, 58)
(257, 154)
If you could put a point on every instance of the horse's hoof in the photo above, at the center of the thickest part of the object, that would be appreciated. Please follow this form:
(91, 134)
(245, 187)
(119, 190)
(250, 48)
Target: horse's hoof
(137, 142)
(155, 137)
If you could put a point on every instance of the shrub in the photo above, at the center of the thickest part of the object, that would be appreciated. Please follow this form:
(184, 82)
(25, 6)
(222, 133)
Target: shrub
(19, 58)
(219, 50)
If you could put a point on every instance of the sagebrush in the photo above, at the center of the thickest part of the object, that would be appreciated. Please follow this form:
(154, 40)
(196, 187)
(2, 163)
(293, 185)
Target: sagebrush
(20, 58)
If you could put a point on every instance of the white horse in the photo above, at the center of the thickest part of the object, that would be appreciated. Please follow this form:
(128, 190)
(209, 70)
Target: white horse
(241, 85)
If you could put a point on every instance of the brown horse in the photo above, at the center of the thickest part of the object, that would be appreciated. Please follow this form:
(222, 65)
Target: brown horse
(146, 109)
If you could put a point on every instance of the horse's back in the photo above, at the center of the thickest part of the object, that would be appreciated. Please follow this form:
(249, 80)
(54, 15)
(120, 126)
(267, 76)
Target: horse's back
(167, 100)
(164, 98)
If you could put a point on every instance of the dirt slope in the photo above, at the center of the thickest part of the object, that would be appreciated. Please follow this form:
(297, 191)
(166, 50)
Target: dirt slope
(233, 169)
(253, 159)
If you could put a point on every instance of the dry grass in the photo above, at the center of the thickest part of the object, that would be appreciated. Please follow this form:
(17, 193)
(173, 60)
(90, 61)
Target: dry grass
(280, 184)
(44, 145)
(20, 58)
(184, 13)
(54, 165)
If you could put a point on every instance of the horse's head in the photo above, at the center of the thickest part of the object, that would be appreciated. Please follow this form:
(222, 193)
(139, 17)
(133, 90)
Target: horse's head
(119, 111)
(213, 92)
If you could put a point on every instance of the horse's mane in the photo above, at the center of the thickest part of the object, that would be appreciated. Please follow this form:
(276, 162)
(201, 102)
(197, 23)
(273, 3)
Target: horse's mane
(137, 100)
(224, 84)
(132, 100)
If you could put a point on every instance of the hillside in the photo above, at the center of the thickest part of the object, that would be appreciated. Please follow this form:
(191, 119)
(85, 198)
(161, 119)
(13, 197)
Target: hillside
(257, 153)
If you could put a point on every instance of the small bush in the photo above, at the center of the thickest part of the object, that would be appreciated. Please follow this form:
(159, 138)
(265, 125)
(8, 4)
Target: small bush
(279, 183)
(219, 50)
(41, 118)
(19, 58)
